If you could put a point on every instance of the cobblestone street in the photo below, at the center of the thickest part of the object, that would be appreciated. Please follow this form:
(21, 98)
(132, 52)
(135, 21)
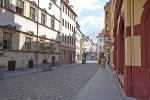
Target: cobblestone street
(58, 84)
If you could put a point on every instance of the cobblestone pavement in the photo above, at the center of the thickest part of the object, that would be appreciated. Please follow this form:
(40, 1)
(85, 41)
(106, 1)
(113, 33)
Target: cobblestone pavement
(58, 84)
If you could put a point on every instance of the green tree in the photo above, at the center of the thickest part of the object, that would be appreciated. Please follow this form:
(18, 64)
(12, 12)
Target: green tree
(46, 51)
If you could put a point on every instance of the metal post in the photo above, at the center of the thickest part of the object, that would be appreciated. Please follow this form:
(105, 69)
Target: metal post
(36, 62)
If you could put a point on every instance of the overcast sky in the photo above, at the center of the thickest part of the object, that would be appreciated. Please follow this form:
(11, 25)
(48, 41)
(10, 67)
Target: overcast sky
(90, 16)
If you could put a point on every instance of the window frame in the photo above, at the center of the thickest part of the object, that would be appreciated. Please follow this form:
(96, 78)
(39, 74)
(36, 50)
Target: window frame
(52, 23)
(28, 44)
(43, 19)
(31, 14)
(8, 42)
(19, 9)
(5, 3)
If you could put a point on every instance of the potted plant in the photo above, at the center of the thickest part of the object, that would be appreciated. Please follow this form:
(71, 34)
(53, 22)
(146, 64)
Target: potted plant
(2, 54)
(84, 58)
(46, 51)
(2, 69)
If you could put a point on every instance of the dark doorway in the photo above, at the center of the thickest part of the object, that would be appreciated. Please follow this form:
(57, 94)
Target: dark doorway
(30, 63)
(70, 58)
(11, 65)
(122, 45)
(53, 60)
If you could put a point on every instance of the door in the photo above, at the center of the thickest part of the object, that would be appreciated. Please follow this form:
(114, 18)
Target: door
(30, 63)
(53, 60)
(11, 65)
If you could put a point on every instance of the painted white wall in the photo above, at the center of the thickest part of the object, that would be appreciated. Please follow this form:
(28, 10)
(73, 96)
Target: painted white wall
(25, 25)
(65, 30)
(102, 43)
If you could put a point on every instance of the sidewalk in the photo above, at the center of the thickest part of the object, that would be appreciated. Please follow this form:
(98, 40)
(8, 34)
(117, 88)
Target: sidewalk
(103, 86)
(32, 70)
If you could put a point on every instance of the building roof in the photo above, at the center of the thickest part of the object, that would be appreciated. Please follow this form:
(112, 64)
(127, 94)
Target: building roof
(103, 34)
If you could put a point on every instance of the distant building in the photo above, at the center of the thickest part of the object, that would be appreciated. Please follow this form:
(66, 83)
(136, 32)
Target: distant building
(78, 43)
(68, 45)
(101, 39)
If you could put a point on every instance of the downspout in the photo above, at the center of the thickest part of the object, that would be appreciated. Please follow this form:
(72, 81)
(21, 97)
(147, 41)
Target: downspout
(60, 31)
(36, 62)
(132, 44)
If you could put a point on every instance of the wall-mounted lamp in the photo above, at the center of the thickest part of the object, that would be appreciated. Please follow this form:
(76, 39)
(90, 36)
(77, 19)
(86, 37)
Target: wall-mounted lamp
(109, 41)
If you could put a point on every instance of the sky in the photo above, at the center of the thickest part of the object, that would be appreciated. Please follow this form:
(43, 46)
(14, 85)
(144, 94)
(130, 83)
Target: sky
(90, 16)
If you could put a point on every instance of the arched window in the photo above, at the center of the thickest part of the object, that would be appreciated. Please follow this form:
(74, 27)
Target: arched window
(107, 27)
(107, 14)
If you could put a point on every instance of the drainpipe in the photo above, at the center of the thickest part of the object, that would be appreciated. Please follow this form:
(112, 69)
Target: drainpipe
(60, 31)
(36, 62)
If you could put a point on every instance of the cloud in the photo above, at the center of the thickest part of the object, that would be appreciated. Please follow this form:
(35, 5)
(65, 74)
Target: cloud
(79, 5)
(92, 25)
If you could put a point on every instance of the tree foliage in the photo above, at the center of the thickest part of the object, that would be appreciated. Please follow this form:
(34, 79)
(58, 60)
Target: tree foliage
(46, 51)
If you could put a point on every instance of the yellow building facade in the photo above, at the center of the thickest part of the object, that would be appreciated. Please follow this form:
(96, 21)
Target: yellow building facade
(129, 49)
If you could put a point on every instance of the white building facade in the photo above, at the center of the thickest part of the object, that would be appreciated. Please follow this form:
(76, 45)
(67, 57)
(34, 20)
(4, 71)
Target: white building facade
(68, 40)
(101, 39)
(24, 25)
(78, 43)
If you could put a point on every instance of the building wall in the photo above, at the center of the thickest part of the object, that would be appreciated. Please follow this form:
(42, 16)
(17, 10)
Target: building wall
(100, 44)
(132, 21)
(68, 32)
(26, 27)
(78, 44)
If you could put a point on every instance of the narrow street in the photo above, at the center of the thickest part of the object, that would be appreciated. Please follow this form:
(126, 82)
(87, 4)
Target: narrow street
(59, 84)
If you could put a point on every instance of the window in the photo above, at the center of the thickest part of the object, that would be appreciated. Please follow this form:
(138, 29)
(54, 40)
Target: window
(28, 44)
(41, 42)
(7, 39)
(103, 47)
(100, 39)
(4, 3)
(63, 54)
(72, 28)
(65, 38)
(63, 8)
(74, 41)
(62, 37)
(20, 7)
(52, 23)
(107, 14)
(63, 22)
(68, 13)
(74, 19)
(32, 13)
(42, 19)
(68, 25)
(107, 28)
(103, 39)
(70, 40)
(66, 10)
(100, 47)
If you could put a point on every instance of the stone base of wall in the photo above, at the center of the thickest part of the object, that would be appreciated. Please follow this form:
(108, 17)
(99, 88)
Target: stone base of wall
(22, 59)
